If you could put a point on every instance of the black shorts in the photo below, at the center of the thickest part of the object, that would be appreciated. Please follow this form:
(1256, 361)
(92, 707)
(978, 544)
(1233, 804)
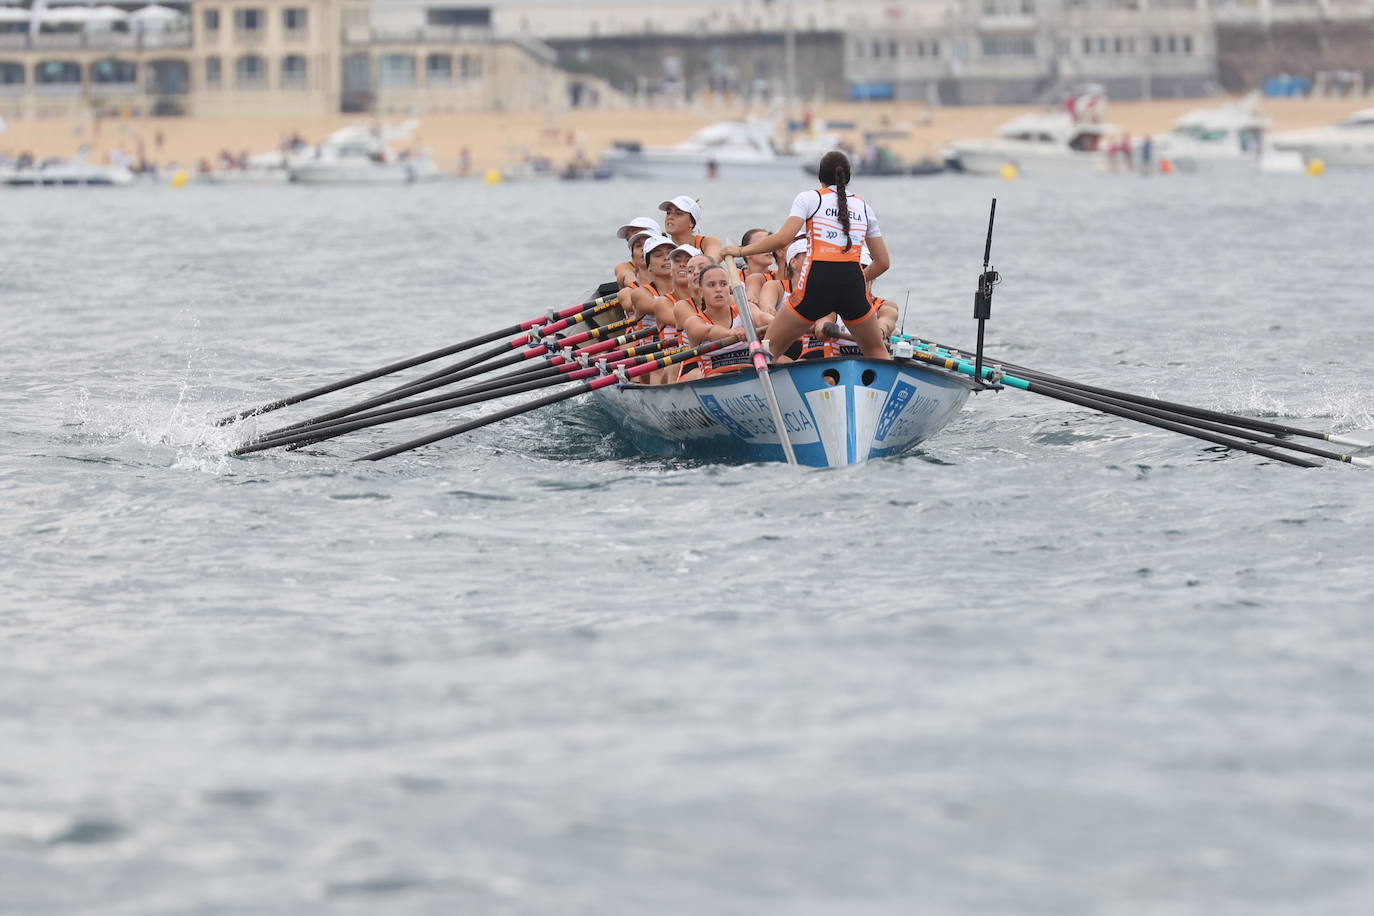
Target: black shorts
(831, 286)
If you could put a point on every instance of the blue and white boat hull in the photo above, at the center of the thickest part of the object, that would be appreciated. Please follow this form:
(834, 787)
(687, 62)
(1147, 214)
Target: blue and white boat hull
(837, 411)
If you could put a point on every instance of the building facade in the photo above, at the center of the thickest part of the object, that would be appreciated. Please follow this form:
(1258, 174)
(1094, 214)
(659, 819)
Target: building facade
(236, 58)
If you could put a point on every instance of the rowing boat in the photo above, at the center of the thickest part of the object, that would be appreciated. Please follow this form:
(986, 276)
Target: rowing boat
(837, 411)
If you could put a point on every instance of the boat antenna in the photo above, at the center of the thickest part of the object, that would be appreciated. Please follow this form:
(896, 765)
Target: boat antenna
(905, 306)
(982, 299)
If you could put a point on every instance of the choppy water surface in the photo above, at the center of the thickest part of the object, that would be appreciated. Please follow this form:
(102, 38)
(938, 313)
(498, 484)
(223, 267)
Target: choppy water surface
(1053, 663)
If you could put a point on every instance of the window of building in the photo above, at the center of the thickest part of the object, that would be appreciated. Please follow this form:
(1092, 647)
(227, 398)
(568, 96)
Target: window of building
(1187, 44)
(250, 72)
(248, 20)
(859, 49)
(114, 71)
(57, 71)
(439, 70)
(1102, 45)
(989, 7)
(1027, 7)
(293, 72)
(1173, 44)
(211, 20)
(470, 67)
(1087, 46)
(1155, 44)
(934, 47)
(877, 48)
(1008, 46)
(212, 73)
(1119, 45)
(294, 19)
(11, 74)
(892, 49)
(473, 16)
(398, 71)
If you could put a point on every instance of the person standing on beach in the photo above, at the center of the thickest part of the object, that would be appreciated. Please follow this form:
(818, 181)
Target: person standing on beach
(836, 224)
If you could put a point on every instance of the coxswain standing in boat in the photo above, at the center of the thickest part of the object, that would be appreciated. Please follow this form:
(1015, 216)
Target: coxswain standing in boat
(836, 225)
(680, 218)
(822, 344)
(719, 319)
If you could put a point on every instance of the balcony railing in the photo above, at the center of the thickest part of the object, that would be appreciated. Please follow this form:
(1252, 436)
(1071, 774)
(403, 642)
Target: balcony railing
(95, 41)
(56, 89)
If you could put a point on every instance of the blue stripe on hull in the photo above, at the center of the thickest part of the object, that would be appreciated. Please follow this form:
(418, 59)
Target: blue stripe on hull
(837, 412)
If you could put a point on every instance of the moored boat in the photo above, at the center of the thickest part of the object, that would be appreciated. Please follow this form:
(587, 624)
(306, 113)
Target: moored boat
(837, 412)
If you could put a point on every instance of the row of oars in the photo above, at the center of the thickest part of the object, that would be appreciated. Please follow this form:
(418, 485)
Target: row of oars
(1248, 434)
(591, 359)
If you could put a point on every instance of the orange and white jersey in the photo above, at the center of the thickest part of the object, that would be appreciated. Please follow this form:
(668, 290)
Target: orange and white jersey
(824, 231)
(735, 356)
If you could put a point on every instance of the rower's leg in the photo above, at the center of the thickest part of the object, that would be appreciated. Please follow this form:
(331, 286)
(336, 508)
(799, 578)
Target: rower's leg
(869, 337)
(784, 330)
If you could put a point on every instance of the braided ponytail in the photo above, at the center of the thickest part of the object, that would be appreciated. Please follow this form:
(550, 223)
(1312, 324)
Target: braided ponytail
(835, 169)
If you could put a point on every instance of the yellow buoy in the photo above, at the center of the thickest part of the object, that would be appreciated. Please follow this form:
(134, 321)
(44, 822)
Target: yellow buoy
(179, 178)
(493, 176)
(1316, 167)
(1010, 172)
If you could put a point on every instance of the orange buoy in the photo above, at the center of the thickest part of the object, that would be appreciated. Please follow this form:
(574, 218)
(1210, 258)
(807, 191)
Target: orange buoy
(1165, 167)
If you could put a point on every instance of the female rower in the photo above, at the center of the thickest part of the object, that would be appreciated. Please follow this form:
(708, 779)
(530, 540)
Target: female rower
(629, 274)
(646, 302)
(758, 268)
(681, 215)
(836, 225)
(719, 319)
(638, 228)
(774, 292)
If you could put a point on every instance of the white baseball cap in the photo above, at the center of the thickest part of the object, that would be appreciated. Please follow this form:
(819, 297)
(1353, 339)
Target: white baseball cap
(644, 234)
(691, 250)
(656, 242)
(639, 222)
(796, 248)
(684, 203)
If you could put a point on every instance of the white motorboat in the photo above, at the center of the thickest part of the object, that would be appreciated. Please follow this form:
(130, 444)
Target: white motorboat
(741, 148)
(1038, 143)
(1347, 144)
(359, 154)
(74, 171)
(1225, 138)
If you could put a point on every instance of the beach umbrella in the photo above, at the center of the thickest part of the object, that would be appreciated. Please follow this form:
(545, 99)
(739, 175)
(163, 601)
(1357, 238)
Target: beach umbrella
(108, 14)
(67, 14)
(155, 13)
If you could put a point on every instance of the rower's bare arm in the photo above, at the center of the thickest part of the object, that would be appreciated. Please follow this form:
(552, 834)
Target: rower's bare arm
(881, 261)
(780, 239)
(710, 246)
(625, 273)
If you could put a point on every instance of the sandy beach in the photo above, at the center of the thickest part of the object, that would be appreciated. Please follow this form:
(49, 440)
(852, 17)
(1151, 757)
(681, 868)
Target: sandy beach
(502, 140)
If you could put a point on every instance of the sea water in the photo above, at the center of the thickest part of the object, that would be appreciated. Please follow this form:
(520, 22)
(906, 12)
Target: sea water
(1054, 662)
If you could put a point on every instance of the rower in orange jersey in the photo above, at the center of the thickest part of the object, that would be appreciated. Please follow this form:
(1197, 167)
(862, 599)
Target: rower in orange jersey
(837, 224)
(758, 268)
(718, 319)
(646, 302)
(680, 218)
(772, 293)
(629, 274)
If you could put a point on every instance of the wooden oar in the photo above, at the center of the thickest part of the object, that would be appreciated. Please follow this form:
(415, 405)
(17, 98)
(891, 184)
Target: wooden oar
(580, 389)
(454, 374)
(759, 358)
(514, 383)
(1265, 426)
(412, 361)
(1084, 400)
